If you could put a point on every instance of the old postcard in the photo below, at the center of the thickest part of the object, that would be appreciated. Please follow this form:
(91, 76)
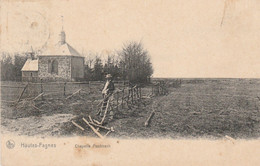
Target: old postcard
(129, 82)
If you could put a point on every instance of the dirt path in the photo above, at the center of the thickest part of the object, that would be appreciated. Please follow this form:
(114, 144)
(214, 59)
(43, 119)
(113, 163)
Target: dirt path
(36, 126)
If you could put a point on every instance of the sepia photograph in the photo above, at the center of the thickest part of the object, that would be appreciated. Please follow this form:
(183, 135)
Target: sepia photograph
(87, 75)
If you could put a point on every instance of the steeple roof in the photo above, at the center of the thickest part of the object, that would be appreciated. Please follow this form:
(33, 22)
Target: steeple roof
(60, 50)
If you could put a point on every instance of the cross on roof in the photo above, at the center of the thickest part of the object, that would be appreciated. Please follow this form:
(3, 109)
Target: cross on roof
(62, 22)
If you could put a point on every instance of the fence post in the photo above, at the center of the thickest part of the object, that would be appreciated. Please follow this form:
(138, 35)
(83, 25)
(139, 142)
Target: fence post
(132, 95)
(123, 98)
(140, 93)
(64, 89)
(41, 86)
(152, 89)
(22, 92)
(128, 96)
(117, 96)
(136, 92)
(159, 89)
(41, 89)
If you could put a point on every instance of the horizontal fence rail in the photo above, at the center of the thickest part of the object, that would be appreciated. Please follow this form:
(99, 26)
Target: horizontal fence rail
(56, 90)
(30, 89)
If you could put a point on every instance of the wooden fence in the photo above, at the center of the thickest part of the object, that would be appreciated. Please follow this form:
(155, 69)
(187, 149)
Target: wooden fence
(15, 91)
(128, 96)
(159, 89)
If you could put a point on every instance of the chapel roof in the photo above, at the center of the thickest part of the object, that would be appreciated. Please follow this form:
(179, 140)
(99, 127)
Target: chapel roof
(60, 50)
(30, 65)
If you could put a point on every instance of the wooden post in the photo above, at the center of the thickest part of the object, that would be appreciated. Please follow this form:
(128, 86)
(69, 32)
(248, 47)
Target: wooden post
(105, 113)
(77, 125)
(91, 120)
(73, 94)
(22, 92)
(148, 119)
(95, 131)
(40, 95)
(123, 95)
(150, 116)
(137, 92)
(128, 96)
(140, 92)
(155, 90)
(64, 89)
(103, 127)
(159, 89)
(132, 95)
(109, 131)
(41, 86)
(117, 96)
(41, 89)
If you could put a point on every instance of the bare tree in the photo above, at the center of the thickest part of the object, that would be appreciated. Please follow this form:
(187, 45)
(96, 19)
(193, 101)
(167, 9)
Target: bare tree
(135, 62)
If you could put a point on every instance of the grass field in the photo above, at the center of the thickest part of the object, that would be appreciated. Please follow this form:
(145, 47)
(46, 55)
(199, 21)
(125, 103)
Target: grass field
(211, 108)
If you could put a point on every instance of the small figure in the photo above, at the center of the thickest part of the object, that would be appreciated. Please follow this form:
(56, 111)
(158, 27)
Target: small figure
(108, 87)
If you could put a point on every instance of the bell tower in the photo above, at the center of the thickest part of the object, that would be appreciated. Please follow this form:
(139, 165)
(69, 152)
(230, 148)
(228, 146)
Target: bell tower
(62, 34)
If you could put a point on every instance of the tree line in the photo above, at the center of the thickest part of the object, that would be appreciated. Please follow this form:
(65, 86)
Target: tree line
(11, 66)
(131, 63)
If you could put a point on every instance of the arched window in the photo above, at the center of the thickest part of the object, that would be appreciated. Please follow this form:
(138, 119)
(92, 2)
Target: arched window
(49, 66)
(54, 67)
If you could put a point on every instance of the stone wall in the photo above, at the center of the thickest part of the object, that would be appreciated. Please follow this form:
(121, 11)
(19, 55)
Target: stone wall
(64, 68)
(77, 68)
(29, 76)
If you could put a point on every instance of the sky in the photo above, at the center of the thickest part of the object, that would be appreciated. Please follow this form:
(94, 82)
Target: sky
(185, 38)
